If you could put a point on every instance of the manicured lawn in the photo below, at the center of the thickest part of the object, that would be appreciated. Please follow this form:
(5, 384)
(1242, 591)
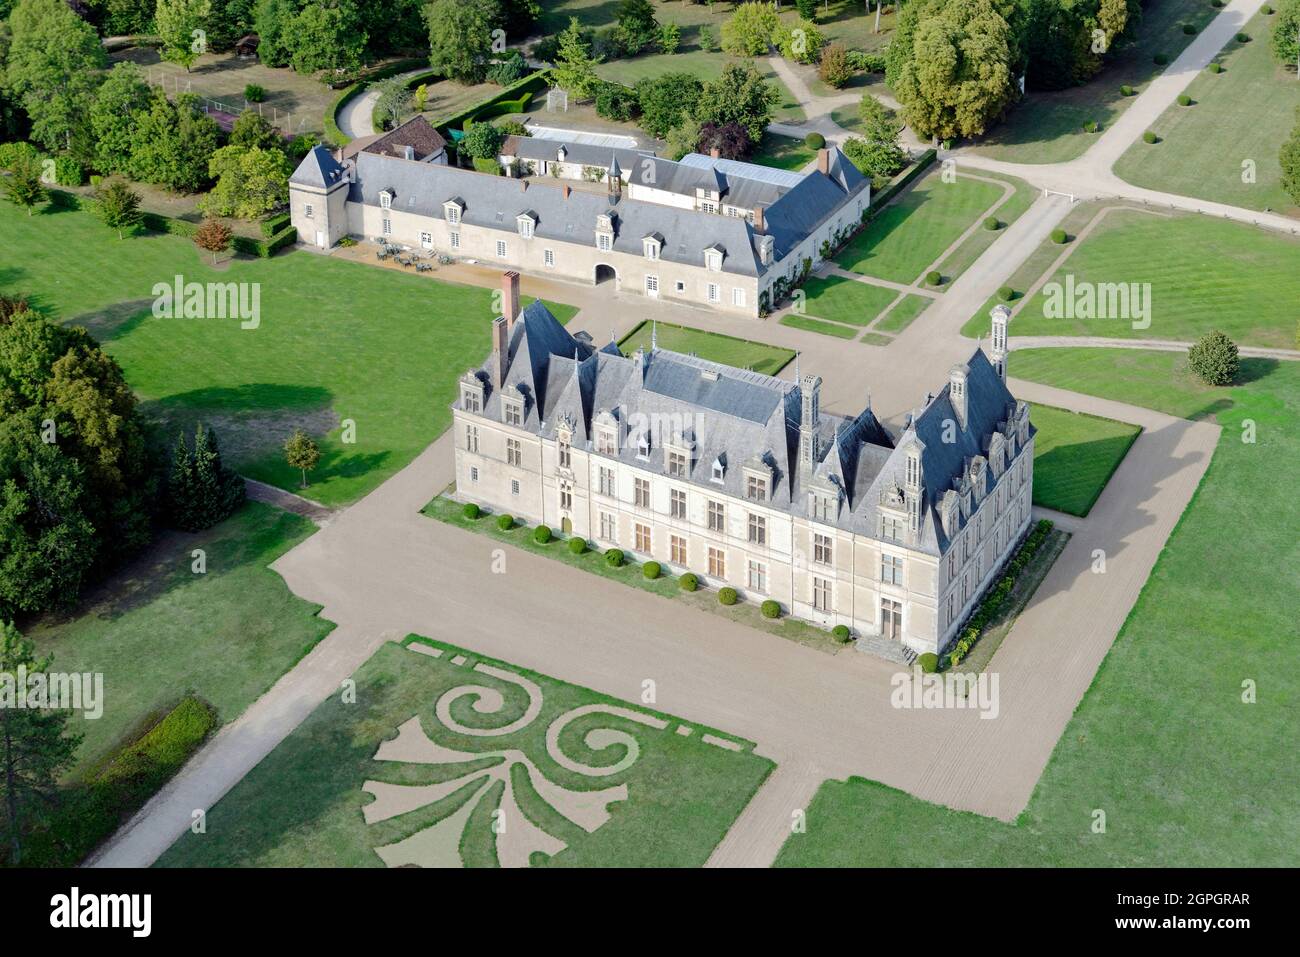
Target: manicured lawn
(1204, 788)
(795, 321)
(1075, 456)
(783, 152)
(901, 316)
(1242, 114)
(911, 233)
(960, 259)
(157, 630)
(713, 346)
(845, 300)
(1197, 267)
(337, 340)
(302, 806)
(1047, 127)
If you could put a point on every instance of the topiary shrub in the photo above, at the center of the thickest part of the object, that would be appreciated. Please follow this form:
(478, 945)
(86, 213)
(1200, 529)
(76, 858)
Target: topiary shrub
(505, 522)
(1126, 90)
(841, 634)
(1184, 99)
(1059, 236)
(1267, 10)
(992, 223)
(1160, 59)
(577, 545)
(614, 557)
(1090, 126)
(1214, 359)
(933, 277)
(542, 534)
(814, 141)
(1189, 29)
(650, 570)
(471, 511)
(928, 662)
(1006, 294)
(689, 581)
(727, 595)
(1215, 67)
(1149, 137)
(771, 609)
(1243, 37)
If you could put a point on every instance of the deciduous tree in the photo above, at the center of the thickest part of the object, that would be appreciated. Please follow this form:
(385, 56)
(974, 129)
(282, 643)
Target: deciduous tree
(182, 26)
(24, 186)
(118, 207)
(302, 453)
(740, 95)
(114, 115)
(460, 38)
(213, 236)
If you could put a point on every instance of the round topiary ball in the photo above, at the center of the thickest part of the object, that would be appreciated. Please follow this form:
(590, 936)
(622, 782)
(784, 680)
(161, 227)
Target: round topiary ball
(1243, 37)
(542, 534)
(577, 545)
(471, 511)
(505, 522)
(1160, 59)
(727, 595)
(614, 557)
(1149, 137)
(1214, 359)
(1059, 237)
(933, 277)
(650, 570)
(814, 141)
(841, 633)
(1126, 90)
(1184, 99)
(1090, 126)
(992, 223)
(771, 609)
(1215, 68)
(689, 581)
(928, 662)
(1006, 294)
(1189, 29)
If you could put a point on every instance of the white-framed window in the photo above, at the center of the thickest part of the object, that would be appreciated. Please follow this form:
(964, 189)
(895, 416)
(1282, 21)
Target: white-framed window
(641, 493)
(514, 486)
(643, 445)
(514, 413)
(566, 497)
(757, 529)
(603, 241)
(651, 249)
(717, 563)
(715, 293)
(605, 442)
(471, 438)
(677, 464)
(891, 569)
(823, 549)
(385, 200)
(642, 538)
(455, 240)
(652, 285)
(426, 240)
(386, 227)
(737, 296)
(548, 258)
(525, 227)
(757, 578)
(514, 452)
(820, 506)
(891, 619)
(452, 212)
(608, 527)
(822, 594)
(681, 287)
(891, 529)
(718, 472)
(755, 488)
(708, 207)
(717, 517)
(501, 249)
(605, 481)
(677, 550)
(677, 503)
(473, 473)
(565, 452)
(713, 260)
(469, 399)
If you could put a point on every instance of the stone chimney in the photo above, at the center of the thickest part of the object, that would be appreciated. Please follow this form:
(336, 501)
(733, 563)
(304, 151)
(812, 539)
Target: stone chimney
(715, 153)
(810, 387)
(638, 367)
(510, 298)
(500, 363)
(760, 224)
(1001, 315)
(957, 391)
(824, 162)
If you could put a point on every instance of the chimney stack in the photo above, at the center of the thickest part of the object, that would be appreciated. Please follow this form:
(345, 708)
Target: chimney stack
(715, 153)
(810, 388)
(1001, 315)
(408, 152)
(824, 162)
(760, 225)
(510, 298)
(957, 391)
(565, 187)
(500, 364)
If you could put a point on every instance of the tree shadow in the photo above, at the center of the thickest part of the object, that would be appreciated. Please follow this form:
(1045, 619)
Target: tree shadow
(115, 321)
(1253, 369)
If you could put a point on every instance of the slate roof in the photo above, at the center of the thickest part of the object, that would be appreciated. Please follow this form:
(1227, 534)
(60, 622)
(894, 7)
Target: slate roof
(318, 168)
(586, 154)
(738, 417)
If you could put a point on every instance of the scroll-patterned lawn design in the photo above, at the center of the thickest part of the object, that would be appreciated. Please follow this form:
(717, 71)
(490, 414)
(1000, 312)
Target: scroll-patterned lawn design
(447, 759)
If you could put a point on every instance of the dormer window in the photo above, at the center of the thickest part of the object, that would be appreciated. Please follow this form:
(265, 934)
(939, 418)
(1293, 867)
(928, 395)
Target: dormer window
(385, 199)
(820, 507)
(525, 226)
(677, 464)
(452, 211)
(512, 411)
(756, 488)
(643, 445)
(713, 259)
(719, 471)
(604, 241)
(913, 469)
(651, 247)
(606, 442)
(471, 397)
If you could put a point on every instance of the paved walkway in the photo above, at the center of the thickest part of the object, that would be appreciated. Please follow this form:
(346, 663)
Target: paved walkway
(768, 820)
(1158, 345)
(356, 119)
(270, 495)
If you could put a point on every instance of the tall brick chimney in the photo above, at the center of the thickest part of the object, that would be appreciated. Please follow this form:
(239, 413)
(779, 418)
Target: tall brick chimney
(715, 153)
(500, 363)
(824, 162)
(760, 225)
(510, 298)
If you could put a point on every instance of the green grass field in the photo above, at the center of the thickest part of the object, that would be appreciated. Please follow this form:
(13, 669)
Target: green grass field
(795, 321)
(157, 630)
(1240, 116)
(961, 258)
(1195, 266)
(713, 346)
(337, 340)
(1208, 785)
(845, 300)
(1075, 456)
(911, 233)
(1047, 127)
(783, 152)
(302, 805)
(901, 316)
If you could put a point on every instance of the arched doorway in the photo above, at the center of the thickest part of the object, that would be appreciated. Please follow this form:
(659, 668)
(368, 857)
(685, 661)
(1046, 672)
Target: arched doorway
(605, 273)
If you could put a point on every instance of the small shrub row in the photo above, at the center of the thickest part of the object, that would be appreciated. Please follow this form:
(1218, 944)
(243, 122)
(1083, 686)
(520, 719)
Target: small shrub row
(997, 595)
(274, 225)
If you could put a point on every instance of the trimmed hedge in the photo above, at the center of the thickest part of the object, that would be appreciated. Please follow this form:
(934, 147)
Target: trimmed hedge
(505, 522)
(1006, 293)
(998, 594)
(157, 223)
(727, 595)
(1160, 59)
(934, 277)
(1090, 126)
(1059, 236)
(471, 511)
(264, 248)
(1184, 99)
(275, 224)
(771, 609)
(614, 557)
(841, 634)
(928, 662)
(577, 545)
(1150, 137)
(531, 84)
(1215, 67)
(90, 812)
(542, 534)
(992, 223)
(814, 141)
(689, 581)
(878, 200)
(650, 571)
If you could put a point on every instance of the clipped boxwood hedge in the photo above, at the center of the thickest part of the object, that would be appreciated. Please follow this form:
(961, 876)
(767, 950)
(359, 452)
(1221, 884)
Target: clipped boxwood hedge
(275, 224)
(614, 557)
(928, 662)
(934, 277)
(542, 534)
(505, 522)
(471, 511)
(841, 634)
(577, 545)
(992, 223)
(1059, 236)
(771, 608)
